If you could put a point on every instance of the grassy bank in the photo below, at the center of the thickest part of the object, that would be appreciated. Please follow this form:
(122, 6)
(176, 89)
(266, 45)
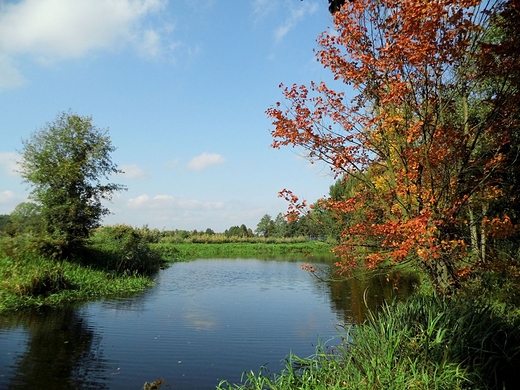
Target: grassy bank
(423, 343)
(37, 281)
(190, 251)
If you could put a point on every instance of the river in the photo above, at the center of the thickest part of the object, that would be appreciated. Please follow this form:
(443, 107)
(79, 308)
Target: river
(204, 321)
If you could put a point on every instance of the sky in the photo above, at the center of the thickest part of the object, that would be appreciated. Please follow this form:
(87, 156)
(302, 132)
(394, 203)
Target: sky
(182, 87)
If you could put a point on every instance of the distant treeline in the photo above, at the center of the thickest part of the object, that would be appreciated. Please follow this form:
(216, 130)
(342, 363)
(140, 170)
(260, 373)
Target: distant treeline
(25, 218)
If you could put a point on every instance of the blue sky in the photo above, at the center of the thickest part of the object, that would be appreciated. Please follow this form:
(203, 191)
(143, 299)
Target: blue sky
(182, 87)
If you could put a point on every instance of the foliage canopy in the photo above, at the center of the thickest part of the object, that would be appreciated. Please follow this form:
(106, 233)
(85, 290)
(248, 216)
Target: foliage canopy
(430, 139)
(65, 162)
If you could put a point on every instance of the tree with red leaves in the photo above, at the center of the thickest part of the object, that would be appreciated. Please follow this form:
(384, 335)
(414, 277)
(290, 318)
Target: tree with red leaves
(431, 135)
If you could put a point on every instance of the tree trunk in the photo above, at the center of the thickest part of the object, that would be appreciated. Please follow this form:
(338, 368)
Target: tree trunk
(473, 234)
(483, 236)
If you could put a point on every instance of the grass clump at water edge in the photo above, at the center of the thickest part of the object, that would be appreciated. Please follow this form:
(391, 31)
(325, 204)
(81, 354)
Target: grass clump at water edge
(37, 281)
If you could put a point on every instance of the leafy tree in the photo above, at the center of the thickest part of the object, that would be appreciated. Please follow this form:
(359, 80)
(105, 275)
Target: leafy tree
(239, 231)
(311, 226)
(498, 86)
(65, 163)
(329, 212)
(4, 222)
(429, 133)
(292, 228)
(26, 217)
(280, 226)
(335, 5)
(266, 226)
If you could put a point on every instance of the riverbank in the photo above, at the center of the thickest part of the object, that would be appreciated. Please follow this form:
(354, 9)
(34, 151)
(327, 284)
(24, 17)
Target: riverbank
(36, 281)
(469, 341)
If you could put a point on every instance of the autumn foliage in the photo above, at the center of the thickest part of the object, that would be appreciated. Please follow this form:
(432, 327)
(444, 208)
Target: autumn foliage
(424, 116)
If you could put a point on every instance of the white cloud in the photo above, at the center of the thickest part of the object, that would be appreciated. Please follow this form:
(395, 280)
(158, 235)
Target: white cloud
(10, 76)
(140, 201)
(9, 163)
(205, 160)
(296, 16)
(150, 43)
(172, 163)
(7, 196)
(133, 171)
(262, 8)
(52, 30)
(168, 212)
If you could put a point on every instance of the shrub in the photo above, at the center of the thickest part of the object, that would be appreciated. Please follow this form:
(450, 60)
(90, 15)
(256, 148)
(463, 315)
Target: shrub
(124, 249)
(25, 245)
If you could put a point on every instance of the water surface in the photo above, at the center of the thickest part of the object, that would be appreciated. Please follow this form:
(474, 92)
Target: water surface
(204, 321)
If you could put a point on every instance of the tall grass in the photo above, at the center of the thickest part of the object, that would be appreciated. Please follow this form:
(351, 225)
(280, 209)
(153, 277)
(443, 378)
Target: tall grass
(220, 238)
(423, 343)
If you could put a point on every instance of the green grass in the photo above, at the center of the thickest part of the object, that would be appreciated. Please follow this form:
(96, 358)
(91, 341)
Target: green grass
(190, 251)
(34, 281)
(220, 238)
(423, 343)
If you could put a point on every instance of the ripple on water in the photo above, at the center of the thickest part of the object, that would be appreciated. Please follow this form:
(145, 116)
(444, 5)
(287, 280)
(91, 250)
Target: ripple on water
(204, 321)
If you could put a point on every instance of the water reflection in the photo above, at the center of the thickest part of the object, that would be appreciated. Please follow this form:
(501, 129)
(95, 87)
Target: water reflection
(62, 352)
(355, 296)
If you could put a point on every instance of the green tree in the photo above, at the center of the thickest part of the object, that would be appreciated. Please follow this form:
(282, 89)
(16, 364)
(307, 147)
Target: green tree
(280, 226)
(310, 226)
(26, 217)
(266, 226)
(4, 222)
(331, 215)
(238, 231)
(65, 163)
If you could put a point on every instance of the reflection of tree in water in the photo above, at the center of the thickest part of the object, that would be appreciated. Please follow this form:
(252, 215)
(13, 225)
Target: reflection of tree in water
(62, 352)
(130, 302)
(355, 296)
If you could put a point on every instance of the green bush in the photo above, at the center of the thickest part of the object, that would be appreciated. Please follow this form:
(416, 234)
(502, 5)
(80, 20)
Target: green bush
(123, 249)
(244, 249)
(219, 238)
(170, 252)
(27, 244)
